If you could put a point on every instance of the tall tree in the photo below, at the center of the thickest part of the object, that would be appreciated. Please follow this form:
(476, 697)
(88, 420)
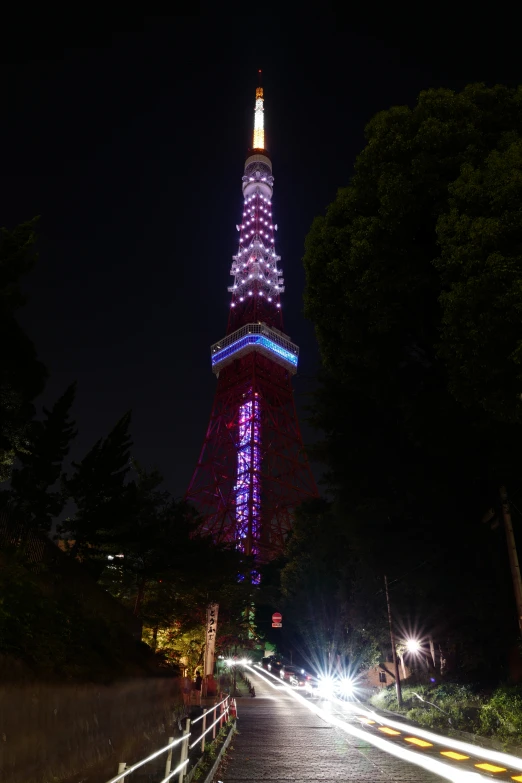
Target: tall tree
(22, 376)
(160, 566)
(480, 266)
(97, 487)
(407, 277)
(35, 491)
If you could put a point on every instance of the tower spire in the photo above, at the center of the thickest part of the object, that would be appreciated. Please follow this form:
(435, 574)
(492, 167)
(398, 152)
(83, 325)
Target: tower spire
(259, 126)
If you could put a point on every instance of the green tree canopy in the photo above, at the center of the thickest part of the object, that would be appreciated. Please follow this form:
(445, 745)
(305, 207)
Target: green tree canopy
(413, 285)
(480, 267)
(407, 332)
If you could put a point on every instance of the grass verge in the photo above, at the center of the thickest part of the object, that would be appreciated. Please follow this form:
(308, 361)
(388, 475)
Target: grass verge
(496, 714)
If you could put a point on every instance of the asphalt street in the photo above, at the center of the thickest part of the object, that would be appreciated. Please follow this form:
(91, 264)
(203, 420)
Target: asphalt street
(281, 739)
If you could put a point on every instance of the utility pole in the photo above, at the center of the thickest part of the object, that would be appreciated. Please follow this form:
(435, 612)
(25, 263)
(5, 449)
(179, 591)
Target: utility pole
(512, 552)
(394, 654)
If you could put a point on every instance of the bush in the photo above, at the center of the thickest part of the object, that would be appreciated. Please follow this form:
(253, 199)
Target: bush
(502, 715)
(440, 706)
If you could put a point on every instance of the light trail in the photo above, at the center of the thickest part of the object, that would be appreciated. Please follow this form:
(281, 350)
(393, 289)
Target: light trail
(404, 732)
(492, 755)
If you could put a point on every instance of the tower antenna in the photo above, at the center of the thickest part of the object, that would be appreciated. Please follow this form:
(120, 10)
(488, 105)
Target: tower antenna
(259, 120)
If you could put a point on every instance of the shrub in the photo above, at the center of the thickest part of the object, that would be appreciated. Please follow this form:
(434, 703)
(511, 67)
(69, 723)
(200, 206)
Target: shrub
(440, 706)
(502, 715)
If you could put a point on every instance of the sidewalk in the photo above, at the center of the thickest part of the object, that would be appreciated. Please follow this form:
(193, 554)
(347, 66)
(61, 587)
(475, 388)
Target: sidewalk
(281, 740)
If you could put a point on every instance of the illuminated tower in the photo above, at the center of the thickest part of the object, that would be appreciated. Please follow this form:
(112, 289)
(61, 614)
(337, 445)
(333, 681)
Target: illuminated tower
(253, 471)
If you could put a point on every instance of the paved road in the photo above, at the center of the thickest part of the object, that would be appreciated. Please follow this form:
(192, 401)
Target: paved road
(282, 740)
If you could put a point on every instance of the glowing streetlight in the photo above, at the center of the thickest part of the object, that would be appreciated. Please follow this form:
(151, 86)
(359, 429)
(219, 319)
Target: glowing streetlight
(413, 645)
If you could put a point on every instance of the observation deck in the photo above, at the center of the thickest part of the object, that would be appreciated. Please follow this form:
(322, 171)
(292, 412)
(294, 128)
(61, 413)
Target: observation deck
(255, 337)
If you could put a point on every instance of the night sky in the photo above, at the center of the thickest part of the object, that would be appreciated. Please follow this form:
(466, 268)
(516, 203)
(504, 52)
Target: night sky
(128, 137)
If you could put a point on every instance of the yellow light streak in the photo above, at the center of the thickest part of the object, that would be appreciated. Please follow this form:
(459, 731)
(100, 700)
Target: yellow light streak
(451, 754)
(516, 777)
(391, 732)
(419, 742)
(490, 767)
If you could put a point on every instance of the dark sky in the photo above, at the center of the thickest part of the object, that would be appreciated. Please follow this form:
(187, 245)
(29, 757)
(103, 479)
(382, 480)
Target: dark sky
(128, 137)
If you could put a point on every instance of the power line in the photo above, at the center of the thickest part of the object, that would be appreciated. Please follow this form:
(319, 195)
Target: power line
(400, 578)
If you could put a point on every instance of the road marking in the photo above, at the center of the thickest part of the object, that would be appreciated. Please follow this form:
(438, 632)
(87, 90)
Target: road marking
(453, 773)
(490, 767)
(419, 742)
(366, 720)
(516, 777)
(452, 755)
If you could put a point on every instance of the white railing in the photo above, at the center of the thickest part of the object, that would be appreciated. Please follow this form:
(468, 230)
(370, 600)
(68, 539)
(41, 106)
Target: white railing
(224, 708)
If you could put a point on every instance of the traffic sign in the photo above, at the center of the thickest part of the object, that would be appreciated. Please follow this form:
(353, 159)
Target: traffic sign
(277, 617)
(277, 625)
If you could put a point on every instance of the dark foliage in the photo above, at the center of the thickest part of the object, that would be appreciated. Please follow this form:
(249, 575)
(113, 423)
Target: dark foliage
(160, 566)
(22, 376)
(97, 488)
(319, 581)
(36, 495)
(413, 285)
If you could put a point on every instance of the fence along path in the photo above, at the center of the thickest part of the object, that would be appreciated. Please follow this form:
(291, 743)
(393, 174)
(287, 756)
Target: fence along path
(218, 714)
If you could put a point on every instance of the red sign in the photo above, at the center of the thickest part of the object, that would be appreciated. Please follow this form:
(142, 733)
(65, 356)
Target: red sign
(277, 617)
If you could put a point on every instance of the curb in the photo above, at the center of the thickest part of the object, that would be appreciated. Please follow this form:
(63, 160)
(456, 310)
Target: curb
(212, 771)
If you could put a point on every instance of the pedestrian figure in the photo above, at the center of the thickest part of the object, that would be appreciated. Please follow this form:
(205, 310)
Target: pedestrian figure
(196, 688)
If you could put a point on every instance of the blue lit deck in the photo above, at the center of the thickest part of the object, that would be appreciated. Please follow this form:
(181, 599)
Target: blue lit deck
(255, 337)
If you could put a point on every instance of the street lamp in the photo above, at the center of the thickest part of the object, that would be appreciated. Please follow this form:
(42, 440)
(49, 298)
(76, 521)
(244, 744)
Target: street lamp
(413, 645)
(394, 652)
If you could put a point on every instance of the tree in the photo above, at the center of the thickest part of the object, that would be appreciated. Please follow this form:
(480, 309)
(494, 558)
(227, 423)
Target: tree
(97, 487)
(22, 376)
(164, 569)
(480, 266)
(407, 277)
(33, 490)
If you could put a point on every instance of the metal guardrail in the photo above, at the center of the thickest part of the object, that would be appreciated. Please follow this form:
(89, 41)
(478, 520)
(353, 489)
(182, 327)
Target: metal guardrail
(224, 708)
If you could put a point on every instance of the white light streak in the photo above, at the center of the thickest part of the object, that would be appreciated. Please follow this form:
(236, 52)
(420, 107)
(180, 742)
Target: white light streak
(414, 757)
(439, 739)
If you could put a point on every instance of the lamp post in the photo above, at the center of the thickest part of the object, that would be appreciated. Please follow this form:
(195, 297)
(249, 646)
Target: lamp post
(512, 552)
(394, 653)
(411, 645)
